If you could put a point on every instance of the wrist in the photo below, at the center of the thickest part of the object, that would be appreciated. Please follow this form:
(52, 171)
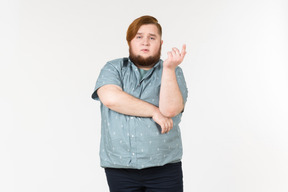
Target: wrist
(169, 68)
(155, 112)
(169, 65)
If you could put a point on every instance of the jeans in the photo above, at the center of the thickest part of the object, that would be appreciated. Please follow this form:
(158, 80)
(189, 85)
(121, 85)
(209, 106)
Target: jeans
(167, 178)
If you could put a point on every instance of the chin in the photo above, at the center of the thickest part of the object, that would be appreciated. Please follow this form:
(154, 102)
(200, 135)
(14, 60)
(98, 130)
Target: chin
(145, 56)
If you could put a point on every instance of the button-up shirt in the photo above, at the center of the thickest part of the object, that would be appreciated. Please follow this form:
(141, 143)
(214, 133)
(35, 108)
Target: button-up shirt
(131, 141)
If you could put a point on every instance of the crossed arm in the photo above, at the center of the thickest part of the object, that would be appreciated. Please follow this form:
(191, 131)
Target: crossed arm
(170, 101)
(113, 97)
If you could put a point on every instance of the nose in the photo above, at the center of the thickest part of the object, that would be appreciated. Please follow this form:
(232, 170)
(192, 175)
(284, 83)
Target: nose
(146, 41)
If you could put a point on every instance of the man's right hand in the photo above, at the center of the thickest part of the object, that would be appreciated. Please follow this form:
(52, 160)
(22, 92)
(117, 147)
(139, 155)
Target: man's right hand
(165, 123)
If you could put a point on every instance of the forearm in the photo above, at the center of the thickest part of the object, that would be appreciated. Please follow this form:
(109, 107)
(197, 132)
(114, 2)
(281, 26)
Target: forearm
(117, 100)
(171, 101)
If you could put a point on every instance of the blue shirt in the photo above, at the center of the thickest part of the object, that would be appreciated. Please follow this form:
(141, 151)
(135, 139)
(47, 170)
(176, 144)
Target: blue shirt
(137, 142)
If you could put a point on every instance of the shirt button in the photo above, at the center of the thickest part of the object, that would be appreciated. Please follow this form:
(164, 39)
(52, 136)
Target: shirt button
(132, 135)
(133, 154)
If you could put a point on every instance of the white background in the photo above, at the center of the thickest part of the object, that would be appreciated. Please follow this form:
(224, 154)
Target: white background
(235, 122)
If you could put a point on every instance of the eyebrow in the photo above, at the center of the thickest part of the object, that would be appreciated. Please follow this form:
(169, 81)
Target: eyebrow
(151, 34)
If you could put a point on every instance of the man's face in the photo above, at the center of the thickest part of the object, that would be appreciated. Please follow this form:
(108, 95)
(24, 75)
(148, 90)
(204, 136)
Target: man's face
(145, 47)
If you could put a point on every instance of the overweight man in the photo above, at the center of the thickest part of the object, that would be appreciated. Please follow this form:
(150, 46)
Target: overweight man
(142, 100)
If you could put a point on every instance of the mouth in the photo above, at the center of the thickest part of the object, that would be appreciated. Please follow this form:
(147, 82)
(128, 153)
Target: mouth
(145, 50)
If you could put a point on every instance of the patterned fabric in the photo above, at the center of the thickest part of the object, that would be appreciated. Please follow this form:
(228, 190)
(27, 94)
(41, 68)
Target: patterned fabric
(137, 142)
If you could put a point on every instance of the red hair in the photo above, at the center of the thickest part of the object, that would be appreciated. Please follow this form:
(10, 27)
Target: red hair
(137, 23)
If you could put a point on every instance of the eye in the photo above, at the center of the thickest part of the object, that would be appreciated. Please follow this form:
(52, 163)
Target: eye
(152, 38)
(138, 37)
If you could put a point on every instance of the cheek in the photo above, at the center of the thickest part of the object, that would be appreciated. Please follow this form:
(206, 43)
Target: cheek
(156, 49)
(133, 48)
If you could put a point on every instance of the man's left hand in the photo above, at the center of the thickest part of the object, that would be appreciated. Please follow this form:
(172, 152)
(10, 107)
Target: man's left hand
(175, 57)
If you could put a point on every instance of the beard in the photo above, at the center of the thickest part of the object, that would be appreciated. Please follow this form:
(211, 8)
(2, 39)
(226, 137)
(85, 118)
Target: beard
(144, 62)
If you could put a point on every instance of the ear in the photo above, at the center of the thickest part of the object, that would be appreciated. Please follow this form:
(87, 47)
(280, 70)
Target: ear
(161, 42)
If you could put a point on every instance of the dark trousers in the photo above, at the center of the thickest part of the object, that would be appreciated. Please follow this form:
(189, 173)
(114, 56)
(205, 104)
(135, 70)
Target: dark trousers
(167, 178)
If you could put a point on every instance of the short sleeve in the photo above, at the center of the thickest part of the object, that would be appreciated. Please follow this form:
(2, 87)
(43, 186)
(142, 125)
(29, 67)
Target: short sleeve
(182, 83)
(109, 74)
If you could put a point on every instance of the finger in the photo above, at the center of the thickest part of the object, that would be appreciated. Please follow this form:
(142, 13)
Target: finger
(163, 129)
(173, 52)
(183, 48)
(177, 52)
(183, 51)
(171, 124)
(166, 130)
(167, 127)
(169, 54)
(170, 127)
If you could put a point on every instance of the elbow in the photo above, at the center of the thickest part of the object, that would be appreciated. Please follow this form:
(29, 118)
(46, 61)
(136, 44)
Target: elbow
(169, 112)
(108, 102)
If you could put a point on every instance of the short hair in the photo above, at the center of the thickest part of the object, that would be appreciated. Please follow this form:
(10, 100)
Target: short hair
(137, 23)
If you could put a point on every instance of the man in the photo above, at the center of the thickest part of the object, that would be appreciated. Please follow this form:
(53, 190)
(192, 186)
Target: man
(142, 100)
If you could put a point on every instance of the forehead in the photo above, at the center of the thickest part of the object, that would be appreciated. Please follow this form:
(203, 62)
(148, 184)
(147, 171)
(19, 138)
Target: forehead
(149, 29)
